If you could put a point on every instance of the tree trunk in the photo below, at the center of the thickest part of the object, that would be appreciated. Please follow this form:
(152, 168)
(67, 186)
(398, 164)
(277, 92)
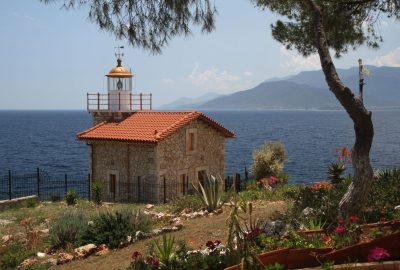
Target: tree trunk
(356, 195)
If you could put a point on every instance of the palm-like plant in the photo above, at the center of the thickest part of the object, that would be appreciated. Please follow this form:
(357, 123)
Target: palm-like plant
(211, 192)
(335, 171)
(165, 250)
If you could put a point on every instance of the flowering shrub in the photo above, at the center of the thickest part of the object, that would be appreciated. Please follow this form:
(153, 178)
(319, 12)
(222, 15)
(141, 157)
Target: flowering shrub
(141, 263)
(378, 254)
(346, 234)
(270, 182)
(322, 184)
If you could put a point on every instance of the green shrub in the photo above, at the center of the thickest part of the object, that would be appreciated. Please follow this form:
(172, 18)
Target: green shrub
(383, 196)
(31, 203)
(97, 191)
(191, 202)
(67, 229)
(322, 202)
(13, 254)
(113, 228)
(211, 193)
(281, 192)
(268, 160)
(71, 197)
(335, 172)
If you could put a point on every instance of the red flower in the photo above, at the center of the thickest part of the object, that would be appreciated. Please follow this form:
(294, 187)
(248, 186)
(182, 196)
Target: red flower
(377, 254)
(340, 222)
(136, 255)
(354, 219)
(340, 229)
(382, 219)
(153, 261)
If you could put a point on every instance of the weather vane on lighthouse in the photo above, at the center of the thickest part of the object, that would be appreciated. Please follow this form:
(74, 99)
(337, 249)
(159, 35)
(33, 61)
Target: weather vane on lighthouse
(119, 52)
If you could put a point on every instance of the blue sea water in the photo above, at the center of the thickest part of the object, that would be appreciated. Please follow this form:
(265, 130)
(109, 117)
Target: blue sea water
(46, 139)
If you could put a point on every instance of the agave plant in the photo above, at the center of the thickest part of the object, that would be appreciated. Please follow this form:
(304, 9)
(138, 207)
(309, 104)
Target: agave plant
(335, 171)
(165, 250)
(211, 192)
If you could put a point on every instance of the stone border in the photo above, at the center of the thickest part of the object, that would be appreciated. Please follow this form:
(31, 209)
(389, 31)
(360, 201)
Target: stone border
(17, 202)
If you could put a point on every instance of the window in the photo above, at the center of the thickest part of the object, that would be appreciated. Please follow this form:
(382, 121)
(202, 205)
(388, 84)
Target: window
(182, 183)
(191, 140)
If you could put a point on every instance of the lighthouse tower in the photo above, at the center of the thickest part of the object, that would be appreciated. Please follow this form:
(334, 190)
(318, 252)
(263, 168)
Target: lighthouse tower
(119, 101)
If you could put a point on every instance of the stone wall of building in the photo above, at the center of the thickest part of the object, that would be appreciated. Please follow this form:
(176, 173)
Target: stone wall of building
(134, 167)
(174, 159)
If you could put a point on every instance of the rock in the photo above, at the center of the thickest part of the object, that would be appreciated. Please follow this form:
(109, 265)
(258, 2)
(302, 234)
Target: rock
(397, 207)
(6, 238)
(141, 235)
(84, 251)
(129, 239)
(275, 228)
(102, 250)
(176, 220)
(44, 232)
(41, 254)
(156, 232)
(149, 206)
(4, 222)
(27, 262)
(49, 262)
(64, 258)
(218, 211)
(179, 226)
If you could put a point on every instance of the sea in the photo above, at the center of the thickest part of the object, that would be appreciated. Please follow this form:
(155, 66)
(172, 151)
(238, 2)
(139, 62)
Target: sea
(47, 140)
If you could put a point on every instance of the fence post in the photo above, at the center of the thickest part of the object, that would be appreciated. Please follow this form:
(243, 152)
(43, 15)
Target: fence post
(9, 184)
(165, 193)
(89, 187)
(38, 182)
(138, 188)
(246, 174)
(65, 184)
(238, 182)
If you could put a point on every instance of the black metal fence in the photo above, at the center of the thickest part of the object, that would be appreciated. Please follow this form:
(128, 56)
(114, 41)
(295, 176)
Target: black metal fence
(40, 183)
(140, 190)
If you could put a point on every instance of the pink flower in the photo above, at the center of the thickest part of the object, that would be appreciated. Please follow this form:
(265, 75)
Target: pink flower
(153, 261)
(353, 219)
(377, 254)
(136, 255)
(340, 229)
(340, 222)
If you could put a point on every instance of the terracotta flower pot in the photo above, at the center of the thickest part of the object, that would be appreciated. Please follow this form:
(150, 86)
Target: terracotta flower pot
(293, 258)
(305, 257)
(359, 252)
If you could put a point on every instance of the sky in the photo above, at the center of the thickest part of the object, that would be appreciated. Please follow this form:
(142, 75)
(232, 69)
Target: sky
(51, 57)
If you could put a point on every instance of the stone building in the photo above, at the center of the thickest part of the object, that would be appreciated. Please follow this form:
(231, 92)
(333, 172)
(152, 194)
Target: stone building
(145, 155)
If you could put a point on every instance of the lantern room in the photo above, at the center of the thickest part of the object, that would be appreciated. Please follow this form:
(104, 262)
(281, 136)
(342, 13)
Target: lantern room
(119, 78)
(119, 97)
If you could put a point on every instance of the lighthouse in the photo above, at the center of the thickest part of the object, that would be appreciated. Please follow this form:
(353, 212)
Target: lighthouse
(119, 102)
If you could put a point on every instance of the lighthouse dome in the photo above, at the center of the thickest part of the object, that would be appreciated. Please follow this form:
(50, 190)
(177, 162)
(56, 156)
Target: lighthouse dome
(119, 71)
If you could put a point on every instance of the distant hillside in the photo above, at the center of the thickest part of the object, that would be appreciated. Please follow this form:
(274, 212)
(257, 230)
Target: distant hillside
(306, 90)
(274, 95)
(189, 103)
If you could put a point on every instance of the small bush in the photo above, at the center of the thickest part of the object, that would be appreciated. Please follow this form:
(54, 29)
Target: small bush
(67, 229)
(31, 203)
(113, 228)
(191, 202)
(281, 192)
(13, 254)
(71, 197)
(384, 195)
(97, 191)
(268, 160)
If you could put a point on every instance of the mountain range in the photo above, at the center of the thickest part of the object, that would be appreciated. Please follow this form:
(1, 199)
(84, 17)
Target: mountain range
(306, 90)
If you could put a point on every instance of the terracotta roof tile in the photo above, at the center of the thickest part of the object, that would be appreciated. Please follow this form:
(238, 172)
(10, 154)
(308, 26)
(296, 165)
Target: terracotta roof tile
(147, 126)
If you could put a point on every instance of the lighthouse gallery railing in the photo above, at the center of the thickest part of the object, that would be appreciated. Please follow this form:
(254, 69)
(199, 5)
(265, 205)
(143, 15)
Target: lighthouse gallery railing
(107, 102)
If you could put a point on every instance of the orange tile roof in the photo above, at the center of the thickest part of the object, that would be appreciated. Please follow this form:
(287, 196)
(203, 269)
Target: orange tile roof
(147, 126)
